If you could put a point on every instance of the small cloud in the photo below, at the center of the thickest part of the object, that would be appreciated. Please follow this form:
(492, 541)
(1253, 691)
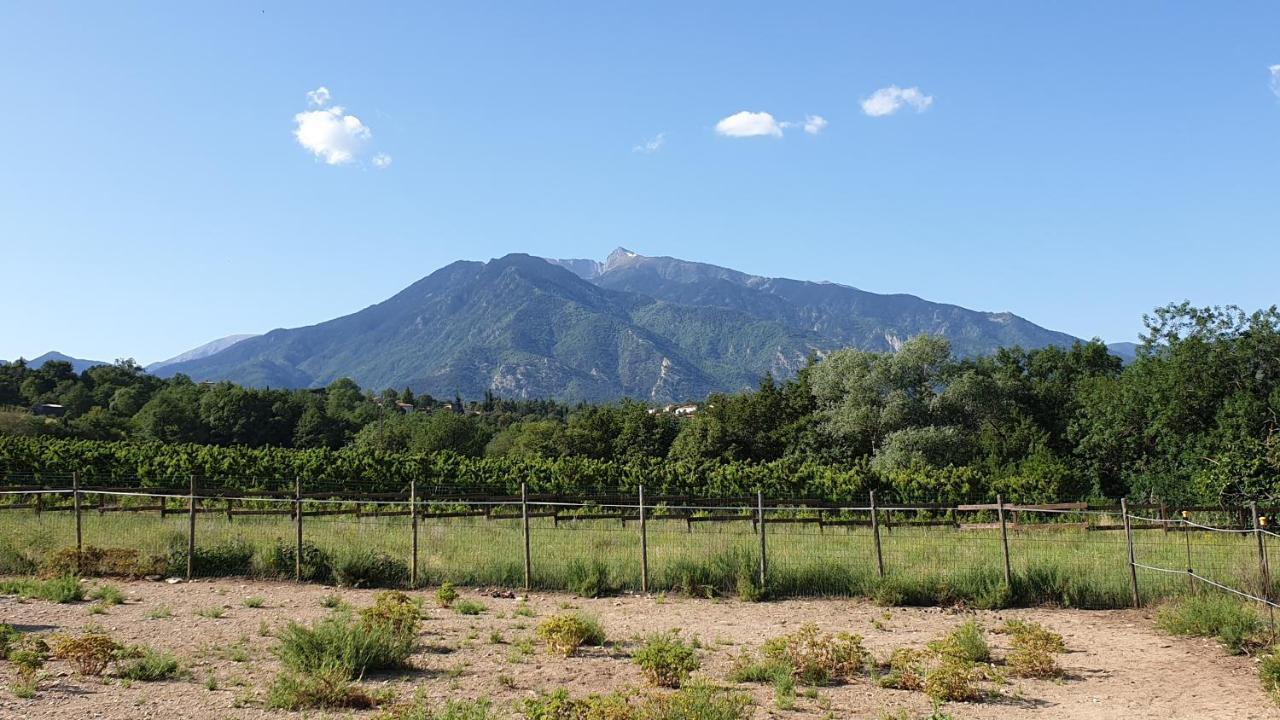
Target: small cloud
(652, 146)
(318, 97)
(814, 124)
(382, 161)
(749, 124)
(887, 101)
(1275, 79)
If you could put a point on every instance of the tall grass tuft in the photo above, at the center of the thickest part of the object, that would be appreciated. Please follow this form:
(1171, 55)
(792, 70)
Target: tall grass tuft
(1234, 624)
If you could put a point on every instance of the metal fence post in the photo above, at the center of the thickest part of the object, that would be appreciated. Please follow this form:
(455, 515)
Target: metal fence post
(764, 556)
(644, 547)
(297, 511)
(75, 499)
(413, 522)
(191, 528)
(528, 556)
(1262, 565)
(1004, 540)
(875, 535)
(1128, 539)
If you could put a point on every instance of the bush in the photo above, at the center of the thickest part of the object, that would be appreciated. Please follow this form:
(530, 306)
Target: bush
(469, 607)
(107, 595)
(588, 579)
(1234, 624)
(666, 660)
(394, 610)
(564, 634)
(696, 701)
(147, 665)
(1033, 649)
(1269, 673)
(906, 669)
(340, 642)
(279, 562)
(419, 709)
(818, 658)
(89, 653)
(324, 687)
(59, 590)
(966, 642)
(222, 560)
(15, 562)
(365, 568)
(102, 562)
(952, 680)
(445, 595)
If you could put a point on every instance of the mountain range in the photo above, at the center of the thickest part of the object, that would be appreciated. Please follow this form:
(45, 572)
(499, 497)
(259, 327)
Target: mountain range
(653, 328)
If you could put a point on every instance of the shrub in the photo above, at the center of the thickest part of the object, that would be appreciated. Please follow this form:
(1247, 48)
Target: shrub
(588, 579)
(9, 636)
(952, 680)
(906, 669)
(419, 709)
(340, 642)
(1036, 633)
(666, 660)
(324, 687)
(365, 568)
(818, 658)
(58, 590)
(101, 562)
(746, 668)
(15, 562)
(558, 705)
(221, 560)
(1269, 673)
(89, 653)
(469, 607)
(279, 562)
(107, 595)
(1032, 650)
(27, 653)
(445, 595)
(564, 634)
(697, 701)
(395, 611)
(254, 601)
(966, 642)
(147, 665)
(1234, 624)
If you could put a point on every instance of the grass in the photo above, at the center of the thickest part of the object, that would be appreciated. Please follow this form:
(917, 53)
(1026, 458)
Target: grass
(160, 612)
(60, 590)
(924, 566)
(147, 665)
(382, 639)
(1233, 623)
(469, 607)
(213, 612)
(254, 601)
(107, 595)
(666, 660)
(695, 701)
(321, 688)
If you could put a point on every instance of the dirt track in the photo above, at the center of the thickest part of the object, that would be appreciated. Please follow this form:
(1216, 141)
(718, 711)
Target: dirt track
(1117, 666)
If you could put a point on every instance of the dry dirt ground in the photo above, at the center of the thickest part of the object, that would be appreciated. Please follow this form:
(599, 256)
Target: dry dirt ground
(1117, 665)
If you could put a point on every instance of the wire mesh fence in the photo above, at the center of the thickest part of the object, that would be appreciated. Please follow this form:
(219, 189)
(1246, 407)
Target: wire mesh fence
(985, 554)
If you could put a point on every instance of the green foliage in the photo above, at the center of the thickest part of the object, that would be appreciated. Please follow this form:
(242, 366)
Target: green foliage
(395, 610)
(279, 562)
(818, 658)
(107, 595)
(694, 701)
(365, 568)
(60, 590)
(327, 687)
(420, 709)
(564, 634)
(446, 594)
(90, 653)
(588, 578)
(226, 559)
(147, 665)
(340, 642)
(666, 660)
(1269, 674)
(1234, 624)
(967, 643)
(469, 607)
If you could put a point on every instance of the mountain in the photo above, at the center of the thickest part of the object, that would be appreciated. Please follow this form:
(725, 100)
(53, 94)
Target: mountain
(844, 315)
(652, 328)
(77, 364)
(1126, 351)
(521, 327)
(205, 350)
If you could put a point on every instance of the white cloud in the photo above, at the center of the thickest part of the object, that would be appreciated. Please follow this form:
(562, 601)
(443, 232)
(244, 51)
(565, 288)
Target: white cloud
(332, 134)
(814, 124)
(651, 146)
(887, 101)
(318, 97)
(1275, 79)
(749, 124)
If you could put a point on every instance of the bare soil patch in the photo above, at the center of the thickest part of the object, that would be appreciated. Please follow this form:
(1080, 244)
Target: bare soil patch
(1117, 664)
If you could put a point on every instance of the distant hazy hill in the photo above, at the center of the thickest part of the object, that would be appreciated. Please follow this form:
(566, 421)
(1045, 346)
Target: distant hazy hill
(77, 364)
(203, 351)
(653, 328)
(1126, 351)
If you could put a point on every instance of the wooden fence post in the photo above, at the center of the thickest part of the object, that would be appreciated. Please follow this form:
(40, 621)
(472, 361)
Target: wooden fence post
(1128, 539)
(1262, 565)
(644, 547)
(75, 499)
(764, 556)
(297, 511)
(1004, 540)
(875, 535)
(413, 521)
(528, 556)
(1186, 532)
(191, 528)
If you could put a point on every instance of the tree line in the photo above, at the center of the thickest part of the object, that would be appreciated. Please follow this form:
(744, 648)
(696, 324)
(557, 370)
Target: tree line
(1192, 418)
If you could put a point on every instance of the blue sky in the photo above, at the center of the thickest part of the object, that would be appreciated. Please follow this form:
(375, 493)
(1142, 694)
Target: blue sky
(1075, 163)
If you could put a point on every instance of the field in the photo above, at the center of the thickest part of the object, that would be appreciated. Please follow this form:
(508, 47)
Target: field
(1116, 664)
